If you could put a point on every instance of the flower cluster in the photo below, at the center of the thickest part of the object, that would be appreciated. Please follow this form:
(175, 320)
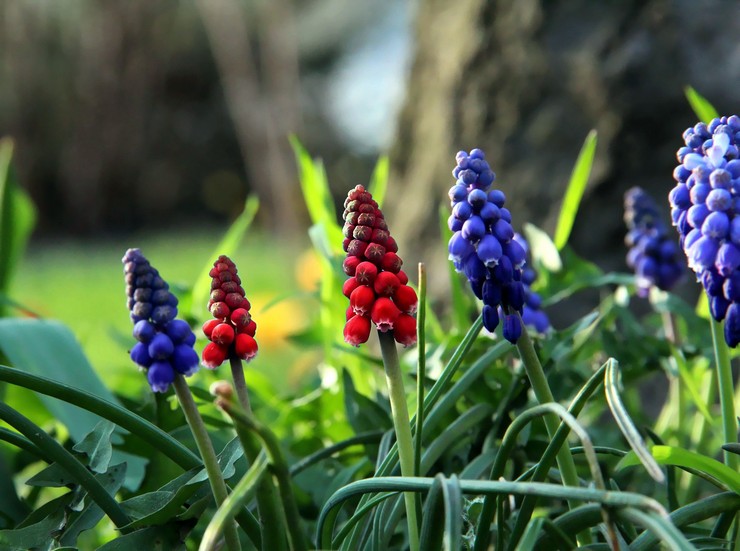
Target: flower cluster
(232, 330)
(165, 345)
(532, 313)
(483, 245)
(706, 211)
(653, 255)
(377, 287)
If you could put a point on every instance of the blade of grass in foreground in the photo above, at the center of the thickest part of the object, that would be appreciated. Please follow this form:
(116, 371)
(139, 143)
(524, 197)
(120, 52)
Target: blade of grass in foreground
(574, 192)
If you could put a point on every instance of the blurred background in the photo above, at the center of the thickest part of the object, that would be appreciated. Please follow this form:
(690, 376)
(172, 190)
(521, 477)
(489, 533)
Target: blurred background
(147, 123)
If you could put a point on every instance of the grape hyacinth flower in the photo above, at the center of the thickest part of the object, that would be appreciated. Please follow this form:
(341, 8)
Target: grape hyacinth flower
(483, 245)
(377, 287)
(165, 344)
(706, 212)
(653, 255)
(532, 313)
(232, 330)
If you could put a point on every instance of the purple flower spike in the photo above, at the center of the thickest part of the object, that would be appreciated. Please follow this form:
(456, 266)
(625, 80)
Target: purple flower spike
(653, 256)
(165, 345)
(481, 245)
(706, 199)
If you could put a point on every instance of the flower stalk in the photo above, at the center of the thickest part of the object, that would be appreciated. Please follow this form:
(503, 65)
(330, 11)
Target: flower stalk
(402, 427)
(207, 453)
(247, 426)
(543, 394)
(726, 393)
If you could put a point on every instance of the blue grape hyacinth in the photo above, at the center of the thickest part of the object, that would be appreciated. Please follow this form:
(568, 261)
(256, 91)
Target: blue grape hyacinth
(483, 245)
(165, 344)
(532, 313)
(706, 212)
(653, 254)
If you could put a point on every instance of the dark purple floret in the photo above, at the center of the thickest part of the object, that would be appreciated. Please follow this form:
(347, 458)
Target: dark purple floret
(165, 344)
(532, 313)
(653, 254)
(481, 245)
(706, 212)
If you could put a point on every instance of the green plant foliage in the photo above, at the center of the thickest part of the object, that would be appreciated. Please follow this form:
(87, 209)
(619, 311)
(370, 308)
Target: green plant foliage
(515, 448)
(574, 191)
(17, 219)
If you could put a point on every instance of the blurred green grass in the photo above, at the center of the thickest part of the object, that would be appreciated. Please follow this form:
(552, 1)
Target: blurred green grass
(81, 284)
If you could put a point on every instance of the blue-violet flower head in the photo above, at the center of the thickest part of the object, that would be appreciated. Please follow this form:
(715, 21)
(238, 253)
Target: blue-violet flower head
(653, 255)
(705, 207)
(165, 344)
(483, 246)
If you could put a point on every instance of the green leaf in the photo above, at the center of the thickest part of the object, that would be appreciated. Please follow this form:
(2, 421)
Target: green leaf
(62, 360)
(17, 218)
(574, 192)
(542, 248)
(364, 414)
(159, 507)
(704, 110)
(316, 193)
(229, 455)
(34, 535)
(154, 538)
(91, 513)
(97, 446)
(53, 476)
(227, 246)
(11, 508)
(379, 180)
(669, 455)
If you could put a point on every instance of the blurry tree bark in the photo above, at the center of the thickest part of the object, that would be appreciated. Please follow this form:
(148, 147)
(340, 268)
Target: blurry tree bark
(526, 80)
(264, 105)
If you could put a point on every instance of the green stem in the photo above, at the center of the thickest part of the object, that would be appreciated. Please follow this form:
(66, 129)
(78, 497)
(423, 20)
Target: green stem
(237, 499)
(240, 384)
(57, 453)
(672, 414)
(279, 468)
(207, 453)
(421, 373)
(727, 405)
(19, 441)
(701, 433)
(726, 392)
(421, 368)
(402, 426)
(543, 394)
(122, 417)
(272, 533)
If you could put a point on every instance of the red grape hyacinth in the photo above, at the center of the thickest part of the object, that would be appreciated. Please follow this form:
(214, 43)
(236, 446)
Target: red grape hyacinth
(232, 330)
(377, 287)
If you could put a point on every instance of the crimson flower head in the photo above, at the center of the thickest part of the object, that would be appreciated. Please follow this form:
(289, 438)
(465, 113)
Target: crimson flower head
(377, 287)
(232, 330)
(165, 344)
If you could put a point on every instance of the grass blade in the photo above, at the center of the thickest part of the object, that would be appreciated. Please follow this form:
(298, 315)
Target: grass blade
(704, 110)
(379, 180)
(669, 455)
(630, 432)
(227, 246)
(574, 192)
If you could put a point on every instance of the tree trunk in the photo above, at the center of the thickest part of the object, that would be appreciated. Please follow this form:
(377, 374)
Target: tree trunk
(526, 81)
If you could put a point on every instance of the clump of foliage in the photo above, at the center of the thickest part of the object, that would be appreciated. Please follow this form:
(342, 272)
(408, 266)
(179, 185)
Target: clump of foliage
(482, 462)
